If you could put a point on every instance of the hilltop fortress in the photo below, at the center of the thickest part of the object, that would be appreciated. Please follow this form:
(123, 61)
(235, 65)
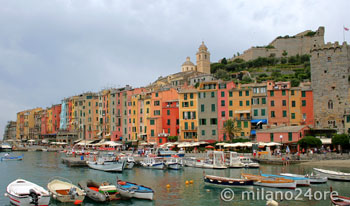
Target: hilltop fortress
(301, 43)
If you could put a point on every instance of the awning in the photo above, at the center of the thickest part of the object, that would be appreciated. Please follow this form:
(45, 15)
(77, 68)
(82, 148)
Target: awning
(253, 132)
(78, 140)
(263, 121)
(326, 141)
(242, 111)
(111, 144)
(31, 140)
(84, 142)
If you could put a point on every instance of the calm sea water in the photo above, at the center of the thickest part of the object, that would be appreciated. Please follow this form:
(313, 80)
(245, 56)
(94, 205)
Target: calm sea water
(39, 167)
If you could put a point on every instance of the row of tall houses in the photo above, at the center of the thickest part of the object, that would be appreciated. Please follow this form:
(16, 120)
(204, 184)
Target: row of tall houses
(193, 105)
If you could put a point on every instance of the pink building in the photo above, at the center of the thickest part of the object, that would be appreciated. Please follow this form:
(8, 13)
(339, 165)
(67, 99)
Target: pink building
(285, 135)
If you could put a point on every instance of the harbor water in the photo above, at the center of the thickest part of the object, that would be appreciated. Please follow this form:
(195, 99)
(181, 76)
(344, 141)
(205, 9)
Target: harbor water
(39, 167)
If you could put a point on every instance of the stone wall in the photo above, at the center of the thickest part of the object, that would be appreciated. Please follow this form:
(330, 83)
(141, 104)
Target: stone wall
(330, 70)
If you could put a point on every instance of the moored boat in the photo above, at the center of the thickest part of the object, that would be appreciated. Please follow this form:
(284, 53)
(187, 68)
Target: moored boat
(214, 160)
(99, 192)
(227, 182)
(65, 191)
(25, 193)
(300, 181)
(174, 163)
(11, 158)
(116, 166)
(333, 175)
(129, 161)
(233, 160)
(153, 163)
(134, 190)
(247, 162)
(5, 147)
(314, 179)
(339, 200)
(270, 181)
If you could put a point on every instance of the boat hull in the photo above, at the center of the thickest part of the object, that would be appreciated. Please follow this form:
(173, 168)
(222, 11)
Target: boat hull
(18, 158)
(332, 175)
(291, 185)
(129, 165)
(135, 190)
(158, 166)
(211, 166)
(92, 194)
(313, 179)
(227, 182)
(61, 191)
(300, 181)
(175, 166)
(340, 200)
(26, 201)
(107, 166)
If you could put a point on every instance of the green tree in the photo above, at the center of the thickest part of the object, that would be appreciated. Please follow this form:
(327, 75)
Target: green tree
(222, 74)
(172, 138)
(224, 61)
(342, 140)
(230, 128)
(295, 82)
(309, 141)
(285, 53)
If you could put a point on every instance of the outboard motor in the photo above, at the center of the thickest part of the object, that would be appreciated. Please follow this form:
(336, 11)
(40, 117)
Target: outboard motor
(34, 197)
(73, 193)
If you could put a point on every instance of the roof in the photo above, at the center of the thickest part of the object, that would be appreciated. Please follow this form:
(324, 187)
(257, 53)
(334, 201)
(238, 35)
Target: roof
(282, 129)
(188, 91)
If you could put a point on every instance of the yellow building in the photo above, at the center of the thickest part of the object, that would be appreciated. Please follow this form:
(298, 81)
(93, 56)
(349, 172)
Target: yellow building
(49, 121)
(26, 124)
(188, 114)
(135, 131)
(240, 108)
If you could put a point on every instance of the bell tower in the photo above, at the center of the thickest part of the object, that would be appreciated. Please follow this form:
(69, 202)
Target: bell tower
(203, 59)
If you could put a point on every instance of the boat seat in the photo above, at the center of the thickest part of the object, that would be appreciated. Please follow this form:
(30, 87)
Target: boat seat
(63, 192)
(108, 188)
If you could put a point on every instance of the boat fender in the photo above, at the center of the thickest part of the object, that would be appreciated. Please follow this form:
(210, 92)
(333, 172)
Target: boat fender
(5, 194)
(122, 183)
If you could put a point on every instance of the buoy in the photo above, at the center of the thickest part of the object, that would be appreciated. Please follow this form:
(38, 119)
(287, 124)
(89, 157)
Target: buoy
(167, 186)
(186, 182)
(78, 202)
(5, 194)
(208, 190)
(191, 181)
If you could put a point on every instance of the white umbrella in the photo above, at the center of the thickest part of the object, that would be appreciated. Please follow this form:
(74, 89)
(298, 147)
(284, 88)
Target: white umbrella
(221, 144)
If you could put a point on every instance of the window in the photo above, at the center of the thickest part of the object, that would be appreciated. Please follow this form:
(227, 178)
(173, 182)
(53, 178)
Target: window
(151, 122)
(223, 113)
(247, 93)
(242, 134)
(192, 125)
(240, 93)
(273, 114)
(271, 137)
(184, 104)
(213, 132)
(222, 103)
(202, 107)
(230, 93)
(293, 103)
(191, 96)
(152, 133)
(168, 122)
(156, 103)
(263, 112)
(330, 104)
(293, 115)
(202, 121)
(283, 92)
(263, 100)
(222, 94)
(156, 112)
(168, 112)
(348, 118)
(230, 113)
(303, 103)
(212, 94)
(290, 136)
(272, 93)
(256, 112)
(284, 113)
(241, 103)
(247, 103)
(203, 132)
(245, 124)
(185, 96)
(239, 124)
(272, 103)
(284, 103)
(213, 107)
(292, 92)
(213, 121)
(303, 94)
(230, 102)
(191, 103)
(186, 125)
(156, 94)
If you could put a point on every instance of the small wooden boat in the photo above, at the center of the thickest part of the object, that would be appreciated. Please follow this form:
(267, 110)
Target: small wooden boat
(11, 158)
(99, 192)
(174, 163)
(314, 179)
(339, 200)
(333, 175)
(116, 166)
(65, 191)
(153, 163)
(270, 181)
(227, 182)
(134, 190)
(301, 181)
(25, 193)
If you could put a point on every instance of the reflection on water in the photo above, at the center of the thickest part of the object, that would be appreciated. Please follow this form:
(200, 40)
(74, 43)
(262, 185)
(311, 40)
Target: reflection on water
(39, 167)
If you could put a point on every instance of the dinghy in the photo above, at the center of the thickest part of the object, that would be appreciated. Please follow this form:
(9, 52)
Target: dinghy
(153, 163)
(116, 166)
(301, 181)
(11, 158)
(25, 193)
(134, 190)
(174, 163)
(129, 161)
(333, 175)
(100, 192)
(270, 181)
(227, 182)
(339, 200)
(65, 191)
(314, 179)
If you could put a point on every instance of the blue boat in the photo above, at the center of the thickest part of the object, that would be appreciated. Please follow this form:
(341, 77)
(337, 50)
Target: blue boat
(129, 189)
(300, 181)
(16, 158)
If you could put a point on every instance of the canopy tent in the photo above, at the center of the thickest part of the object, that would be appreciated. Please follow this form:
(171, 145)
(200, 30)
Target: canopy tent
(221, 144)
(326, 141)
(239, 144)
(83, 142)
(45, 141)
(61, 143)
(111, 144)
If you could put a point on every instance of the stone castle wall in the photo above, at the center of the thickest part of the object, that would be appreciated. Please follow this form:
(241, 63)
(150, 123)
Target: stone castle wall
(298, 44)
(330, 70)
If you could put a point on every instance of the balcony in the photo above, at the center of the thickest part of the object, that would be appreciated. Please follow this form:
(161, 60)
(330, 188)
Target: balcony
(189, 128)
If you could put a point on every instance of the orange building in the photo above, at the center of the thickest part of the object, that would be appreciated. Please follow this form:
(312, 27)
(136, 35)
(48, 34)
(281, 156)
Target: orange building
(278, 102)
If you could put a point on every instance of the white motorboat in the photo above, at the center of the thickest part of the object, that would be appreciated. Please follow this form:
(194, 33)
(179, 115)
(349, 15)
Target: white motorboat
(25, 193)
(5, 147)
(249, 163)
(153, 163)
(333, 175)
(116, 166)
(65, 191)
(174, 163)
(233, 160)
(192, 162)
(314, 179)
(129, 161)
(214, 160)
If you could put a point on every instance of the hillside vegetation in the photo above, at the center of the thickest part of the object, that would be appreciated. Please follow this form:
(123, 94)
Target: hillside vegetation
(294, 68)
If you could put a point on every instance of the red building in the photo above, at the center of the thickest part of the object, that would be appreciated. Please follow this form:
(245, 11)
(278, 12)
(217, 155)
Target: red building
(56, 111)
(278, 102)
(170, 117)
(307, 107)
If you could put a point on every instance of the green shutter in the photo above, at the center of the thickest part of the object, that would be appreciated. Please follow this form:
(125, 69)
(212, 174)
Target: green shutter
(240, 93)
(256, 112)
(230, 102)
(230, 113)
(303, 103)
(202, 107)
(262, 112)
(303, 94)
(271, 137)
(247, 103)
(263, 100)
(293, 115)
(245, 124)
(290, 136)
(230, 93)
(284, 113)
(240, 103)
(272, 93)
(283, 92)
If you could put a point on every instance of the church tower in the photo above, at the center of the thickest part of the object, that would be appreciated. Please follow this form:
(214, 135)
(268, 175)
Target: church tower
(203, 59)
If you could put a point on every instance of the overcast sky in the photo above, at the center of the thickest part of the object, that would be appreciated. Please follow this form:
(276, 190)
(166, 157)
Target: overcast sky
(58, 48)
